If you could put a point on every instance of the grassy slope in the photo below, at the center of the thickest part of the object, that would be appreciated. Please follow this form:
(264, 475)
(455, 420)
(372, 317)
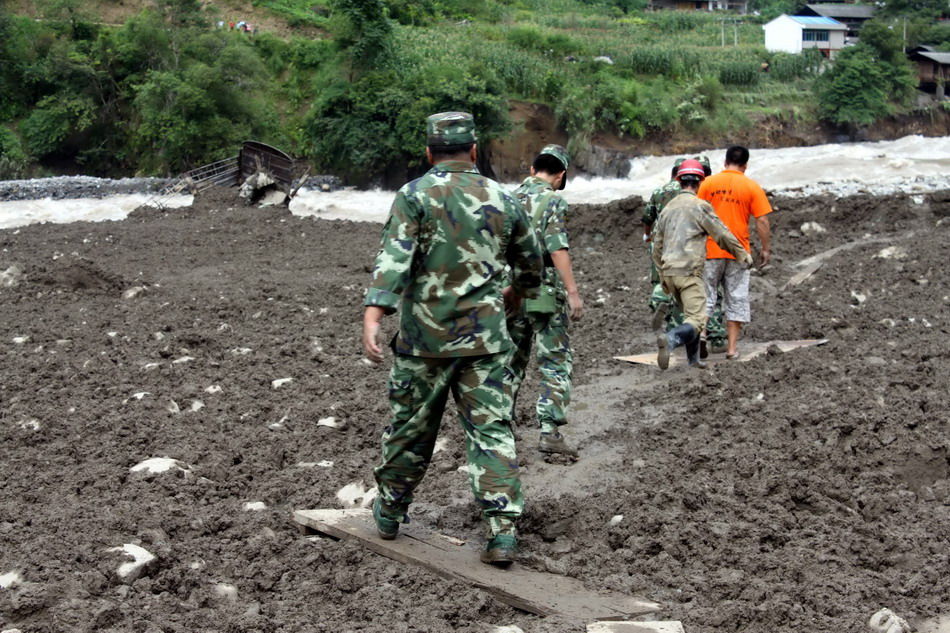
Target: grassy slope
(531, 35)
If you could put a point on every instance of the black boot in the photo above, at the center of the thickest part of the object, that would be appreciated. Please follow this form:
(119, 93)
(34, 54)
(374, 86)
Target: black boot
(673, 339)
(693, 355)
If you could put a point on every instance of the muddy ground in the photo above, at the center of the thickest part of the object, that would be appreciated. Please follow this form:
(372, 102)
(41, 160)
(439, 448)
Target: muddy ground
(795, 492)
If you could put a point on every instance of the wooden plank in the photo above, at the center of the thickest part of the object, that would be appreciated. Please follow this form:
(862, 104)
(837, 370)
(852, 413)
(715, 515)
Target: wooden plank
(747, 351)
(536, 592)
(669, 626)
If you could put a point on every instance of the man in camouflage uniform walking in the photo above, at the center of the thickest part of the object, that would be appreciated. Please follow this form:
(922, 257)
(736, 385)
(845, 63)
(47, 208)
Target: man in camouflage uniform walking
(445, 246)
(679, 245)
(545, 322)
(666, 313)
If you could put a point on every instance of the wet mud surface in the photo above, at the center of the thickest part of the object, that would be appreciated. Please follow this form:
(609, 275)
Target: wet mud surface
(794, 492)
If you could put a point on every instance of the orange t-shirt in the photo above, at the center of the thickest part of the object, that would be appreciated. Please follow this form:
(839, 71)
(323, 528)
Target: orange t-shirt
(735, 197)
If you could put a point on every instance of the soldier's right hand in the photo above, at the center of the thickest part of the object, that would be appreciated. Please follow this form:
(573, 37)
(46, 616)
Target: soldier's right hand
(371, 346)
(576, 305)
(746, 258)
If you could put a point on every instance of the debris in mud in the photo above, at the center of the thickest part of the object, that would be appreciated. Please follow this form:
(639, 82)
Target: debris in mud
(886, 621)
(159, 465)
(892, 252)
(355, 494)
(10, 579)
(330, 422)
(31, 424)
(225, 591)
(133, 292)
(11, 277)
(130, 571)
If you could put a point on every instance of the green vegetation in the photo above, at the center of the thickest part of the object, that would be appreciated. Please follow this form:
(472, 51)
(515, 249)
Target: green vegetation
(869, 80)
(168, 90)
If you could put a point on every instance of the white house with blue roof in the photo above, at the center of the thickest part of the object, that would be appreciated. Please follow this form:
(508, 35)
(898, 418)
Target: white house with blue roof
(794, 33)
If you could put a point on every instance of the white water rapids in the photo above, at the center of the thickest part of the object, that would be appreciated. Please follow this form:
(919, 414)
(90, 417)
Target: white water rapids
(913, 164)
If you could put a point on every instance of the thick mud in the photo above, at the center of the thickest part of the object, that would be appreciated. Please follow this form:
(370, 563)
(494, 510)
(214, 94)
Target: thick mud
(795, 492)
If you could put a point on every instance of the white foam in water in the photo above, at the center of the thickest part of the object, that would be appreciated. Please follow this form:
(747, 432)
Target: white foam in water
(15, 213)
(913, 164)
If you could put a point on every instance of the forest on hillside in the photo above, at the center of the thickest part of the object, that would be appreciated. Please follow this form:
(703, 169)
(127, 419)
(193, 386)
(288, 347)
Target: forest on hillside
(347, 83)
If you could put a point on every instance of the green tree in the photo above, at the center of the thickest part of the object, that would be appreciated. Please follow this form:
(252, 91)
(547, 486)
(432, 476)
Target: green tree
(363, 30)
(929, 8)
(886, 39)
(374, 124)
(853, 91)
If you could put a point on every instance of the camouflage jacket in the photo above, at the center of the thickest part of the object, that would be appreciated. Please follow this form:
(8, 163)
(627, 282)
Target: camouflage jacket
(443, 254)
(660, 197)
(679, 236)
(547, 211)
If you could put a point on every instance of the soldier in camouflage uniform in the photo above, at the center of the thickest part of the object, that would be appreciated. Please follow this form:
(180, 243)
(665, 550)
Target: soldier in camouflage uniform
(449, 236)
(679, 247)
(665, 311)
(545, 323)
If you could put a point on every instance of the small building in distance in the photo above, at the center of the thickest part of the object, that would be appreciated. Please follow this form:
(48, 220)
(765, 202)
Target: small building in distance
(933, 69)
(794, 33)
(739, 6)
(851, 15)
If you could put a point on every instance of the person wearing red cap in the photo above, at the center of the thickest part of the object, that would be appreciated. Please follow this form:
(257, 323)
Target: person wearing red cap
(679, 254)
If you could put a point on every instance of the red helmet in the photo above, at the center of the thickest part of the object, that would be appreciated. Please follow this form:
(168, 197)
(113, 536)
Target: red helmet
(691, 167)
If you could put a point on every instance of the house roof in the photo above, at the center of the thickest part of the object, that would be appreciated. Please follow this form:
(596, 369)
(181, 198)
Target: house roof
(841, 10)
(812, 22)
(940, 58)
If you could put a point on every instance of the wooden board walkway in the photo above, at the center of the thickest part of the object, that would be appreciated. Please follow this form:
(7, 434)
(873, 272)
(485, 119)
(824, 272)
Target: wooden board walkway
(536, 592)
(747, 351)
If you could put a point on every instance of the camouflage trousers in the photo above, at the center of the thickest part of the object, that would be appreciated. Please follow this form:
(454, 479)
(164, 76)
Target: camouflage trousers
(548, 333)
(418, 391)
(715, 327)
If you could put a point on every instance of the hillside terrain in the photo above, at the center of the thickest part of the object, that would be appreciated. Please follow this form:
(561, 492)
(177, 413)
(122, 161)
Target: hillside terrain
(154, 87)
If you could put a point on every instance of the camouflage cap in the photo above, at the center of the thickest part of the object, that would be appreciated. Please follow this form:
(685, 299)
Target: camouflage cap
(558, 152)
(704, 161)
(450, 128)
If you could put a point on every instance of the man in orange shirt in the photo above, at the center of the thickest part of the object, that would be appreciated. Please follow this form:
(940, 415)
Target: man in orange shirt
(735, 197)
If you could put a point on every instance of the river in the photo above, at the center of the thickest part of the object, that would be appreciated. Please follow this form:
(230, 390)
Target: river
(913, 164)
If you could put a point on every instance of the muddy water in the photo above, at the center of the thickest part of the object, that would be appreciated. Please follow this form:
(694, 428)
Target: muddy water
(16, 213)
(913, 164)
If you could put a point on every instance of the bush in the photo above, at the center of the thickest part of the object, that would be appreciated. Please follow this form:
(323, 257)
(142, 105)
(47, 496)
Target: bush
(13, 159)
(54, 120)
